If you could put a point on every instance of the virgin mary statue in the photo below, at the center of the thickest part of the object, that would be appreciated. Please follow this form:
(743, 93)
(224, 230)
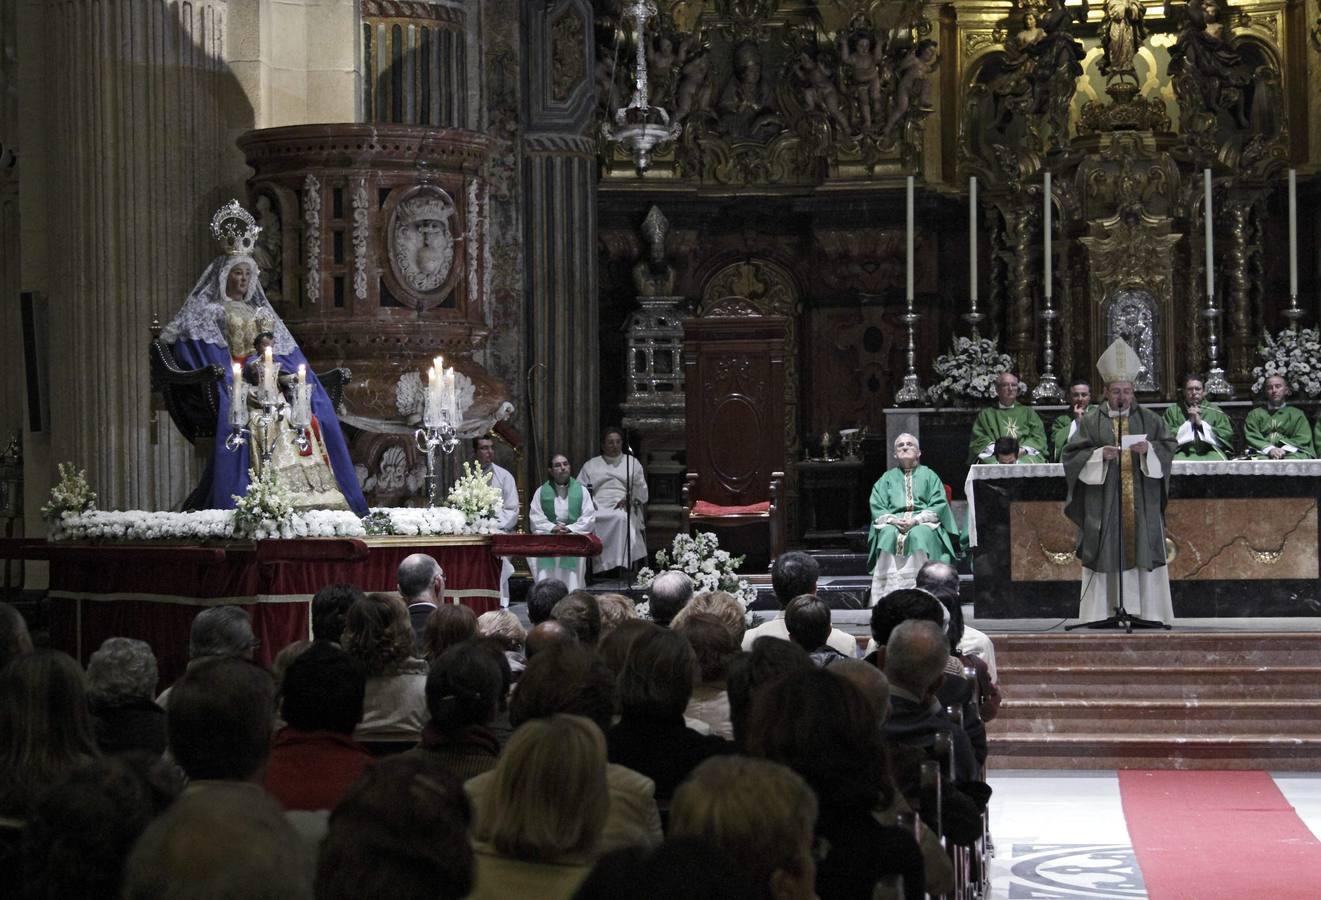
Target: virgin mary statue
(223, 320)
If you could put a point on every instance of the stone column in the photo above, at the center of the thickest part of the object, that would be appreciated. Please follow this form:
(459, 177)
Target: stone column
(1022, 238)
(1239, 340)
(559, 214)
(136, 99)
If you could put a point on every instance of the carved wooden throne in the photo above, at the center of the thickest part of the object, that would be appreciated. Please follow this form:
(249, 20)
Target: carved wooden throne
(734, 373)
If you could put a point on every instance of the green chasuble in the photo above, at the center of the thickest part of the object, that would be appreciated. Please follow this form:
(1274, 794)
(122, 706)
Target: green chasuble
(1287, 425)
(902, 494)
(575, 512)
(1195, 445)
(1018, 421)
(1128, 502)
(1059, 432)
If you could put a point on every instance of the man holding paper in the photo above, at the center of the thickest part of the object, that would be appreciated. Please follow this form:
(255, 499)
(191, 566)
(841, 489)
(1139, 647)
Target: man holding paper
(1118, 467)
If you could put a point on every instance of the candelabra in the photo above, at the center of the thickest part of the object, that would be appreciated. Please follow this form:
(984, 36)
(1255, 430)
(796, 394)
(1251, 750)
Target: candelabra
(438, 431)
(1048, 387)
(270, 410)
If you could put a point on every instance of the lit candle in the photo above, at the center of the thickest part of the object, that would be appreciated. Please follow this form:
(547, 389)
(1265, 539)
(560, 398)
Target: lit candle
(1293, 232)
(909, 275)
(972, 237)
(1206, 215)
(451, 396)
(1045, 218)
(302, 374)
(238, 379)
(268, 373)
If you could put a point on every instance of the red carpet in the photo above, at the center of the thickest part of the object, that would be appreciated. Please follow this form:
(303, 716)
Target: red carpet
(1208, 835)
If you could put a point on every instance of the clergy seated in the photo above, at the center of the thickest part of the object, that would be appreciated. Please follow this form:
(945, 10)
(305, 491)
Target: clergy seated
(618, 486)
(1065, 425)
(1008, 418)
(561, 506)
(1277, 430)
(911, 521)
(1201, 429)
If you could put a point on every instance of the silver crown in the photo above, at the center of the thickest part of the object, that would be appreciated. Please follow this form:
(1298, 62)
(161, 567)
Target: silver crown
(235, 229)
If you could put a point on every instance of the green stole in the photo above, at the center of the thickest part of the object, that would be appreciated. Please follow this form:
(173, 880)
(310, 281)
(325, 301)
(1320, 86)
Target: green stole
(547, 495)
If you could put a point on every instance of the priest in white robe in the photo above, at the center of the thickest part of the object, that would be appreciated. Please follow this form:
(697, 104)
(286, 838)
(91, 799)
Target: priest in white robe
(483, 448)
(1117, 466)
(616, 480)
(561, 506)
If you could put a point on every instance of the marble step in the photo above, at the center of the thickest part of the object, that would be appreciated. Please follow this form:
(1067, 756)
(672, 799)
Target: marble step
(1190, 717)
(1025, 750)
(1160, 682)
(1154, 649)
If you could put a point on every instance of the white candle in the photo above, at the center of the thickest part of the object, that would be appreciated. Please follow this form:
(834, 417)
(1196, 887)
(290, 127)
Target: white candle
(908, 283)
(972, 237)
(1293, 232)
(302, 374)
(238, 379)
(1206, 215)
(1046, 229)
(451, 396)
(268, 373)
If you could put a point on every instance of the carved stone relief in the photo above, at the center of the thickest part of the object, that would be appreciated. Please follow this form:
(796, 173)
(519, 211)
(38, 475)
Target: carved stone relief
(421, 245)
(312, 237)
(1131, 314)
(269, 248)
(567, 63)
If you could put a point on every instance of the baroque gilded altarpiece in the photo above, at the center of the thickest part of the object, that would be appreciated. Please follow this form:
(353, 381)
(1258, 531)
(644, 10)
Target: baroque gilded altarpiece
(800, 122)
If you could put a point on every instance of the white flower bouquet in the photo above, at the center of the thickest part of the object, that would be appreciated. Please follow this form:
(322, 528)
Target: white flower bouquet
(1294, 355)
(968, 371)
(702, 560)
(265, 510)
(71, 494)
(475, 495)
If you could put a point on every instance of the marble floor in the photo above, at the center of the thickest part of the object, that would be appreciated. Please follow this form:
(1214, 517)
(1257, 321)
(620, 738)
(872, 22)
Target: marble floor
(1062, 835)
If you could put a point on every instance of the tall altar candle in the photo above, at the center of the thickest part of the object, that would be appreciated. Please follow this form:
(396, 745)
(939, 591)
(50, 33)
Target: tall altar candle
(1293, 232)
(268, 373)
(1045, 218)
(908, 279)
(1206, 214)
(972, 237)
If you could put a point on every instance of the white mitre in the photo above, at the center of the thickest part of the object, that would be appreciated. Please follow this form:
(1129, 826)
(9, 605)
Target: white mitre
(1119, 363)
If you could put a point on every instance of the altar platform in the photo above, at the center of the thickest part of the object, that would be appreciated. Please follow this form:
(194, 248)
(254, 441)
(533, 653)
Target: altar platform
(152, 591)
(1242, 538)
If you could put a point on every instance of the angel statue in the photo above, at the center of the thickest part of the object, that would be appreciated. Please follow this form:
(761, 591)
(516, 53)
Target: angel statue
(1123, 29)
(226, 320)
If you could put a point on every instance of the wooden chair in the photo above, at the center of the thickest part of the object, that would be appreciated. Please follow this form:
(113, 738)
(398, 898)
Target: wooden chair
(735, 420)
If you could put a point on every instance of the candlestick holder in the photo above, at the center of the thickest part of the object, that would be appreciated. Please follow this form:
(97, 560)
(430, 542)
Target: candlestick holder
(1048, 388)
(238, 417)
(1293, 313)
(910, 391)
(300, 415)
(1216, 383)
(974, 320)
(429, 438)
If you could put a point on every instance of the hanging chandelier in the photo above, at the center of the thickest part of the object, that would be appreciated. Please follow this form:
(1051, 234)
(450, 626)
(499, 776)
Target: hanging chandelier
(640, 127)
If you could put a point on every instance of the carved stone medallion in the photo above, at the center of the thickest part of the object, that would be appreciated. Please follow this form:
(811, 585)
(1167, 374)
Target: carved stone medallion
(421, 244)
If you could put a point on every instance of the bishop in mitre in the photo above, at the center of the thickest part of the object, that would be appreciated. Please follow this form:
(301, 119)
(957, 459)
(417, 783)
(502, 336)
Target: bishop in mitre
(1117, 465)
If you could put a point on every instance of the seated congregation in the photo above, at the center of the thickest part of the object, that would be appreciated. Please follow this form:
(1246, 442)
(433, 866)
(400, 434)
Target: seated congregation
(413, 749)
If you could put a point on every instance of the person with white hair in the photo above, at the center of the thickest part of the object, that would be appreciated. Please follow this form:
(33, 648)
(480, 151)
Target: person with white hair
(121, 682)
(911, 521)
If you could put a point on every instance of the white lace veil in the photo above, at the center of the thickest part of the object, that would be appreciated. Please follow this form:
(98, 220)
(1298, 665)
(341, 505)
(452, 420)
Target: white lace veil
(202, 315)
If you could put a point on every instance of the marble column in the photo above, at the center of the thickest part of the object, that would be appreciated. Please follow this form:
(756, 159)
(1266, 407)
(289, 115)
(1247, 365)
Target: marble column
(559, 214)
(139, 101)
(1022, 236)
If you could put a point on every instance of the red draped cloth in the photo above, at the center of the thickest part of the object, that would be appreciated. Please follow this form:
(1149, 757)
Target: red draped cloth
(152, 592)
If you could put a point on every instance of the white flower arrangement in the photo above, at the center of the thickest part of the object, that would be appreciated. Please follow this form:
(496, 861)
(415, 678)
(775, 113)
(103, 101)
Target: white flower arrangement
(702, 560)
(222, 524)
(968, 371)
(1294, 355)
(265, 510)
(71, 494)
(475, 495)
